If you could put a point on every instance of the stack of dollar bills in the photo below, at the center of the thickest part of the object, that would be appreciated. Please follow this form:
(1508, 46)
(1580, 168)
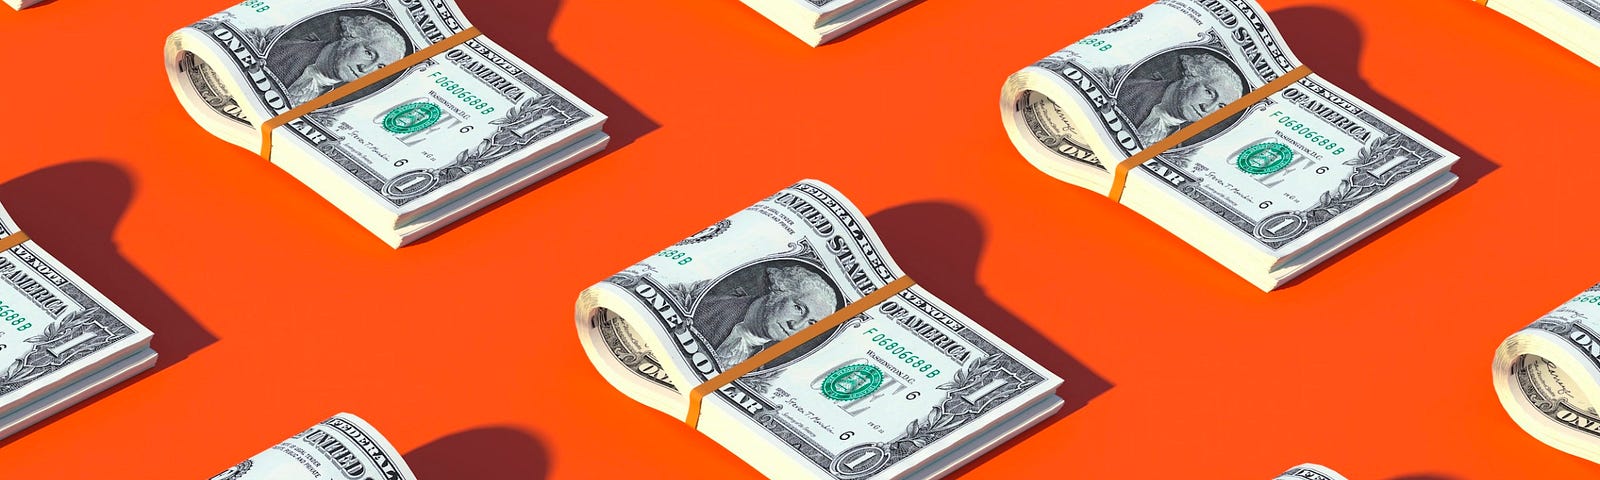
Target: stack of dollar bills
(406, 155)
(1310, 471)
(908, 388)
(344, 446)
(1574, 24)
(820, 21)
(61, 341)
(21, 4)
(1269, 192)
(1548, 376)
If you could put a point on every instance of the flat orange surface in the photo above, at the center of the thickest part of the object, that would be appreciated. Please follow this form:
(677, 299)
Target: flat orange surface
(272, 310)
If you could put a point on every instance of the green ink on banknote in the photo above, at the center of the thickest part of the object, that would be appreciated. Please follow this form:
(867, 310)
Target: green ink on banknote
(412, 118)
(852, 382)
(1265, 158)
(14, 317)
(260, 6)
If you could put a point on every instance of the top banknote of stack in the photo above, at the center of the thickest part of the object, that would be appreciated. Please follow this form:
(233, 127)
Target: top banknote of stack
(820, 21)
(411, 152)
(1268, 192)
(1575, 24)
(61, 341)
(816, 356)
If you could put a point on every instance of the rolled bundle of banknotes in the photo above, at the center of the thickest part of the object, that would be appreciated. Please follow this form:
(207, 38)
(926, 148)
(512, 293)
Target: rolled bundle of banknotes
(61, 341)
(21, 4)
(397, 111)
(820, 21)
(1574, 24)
(1548, 375)
(344, 446)
(1195, 114)
(788, 335)
(1310, 471)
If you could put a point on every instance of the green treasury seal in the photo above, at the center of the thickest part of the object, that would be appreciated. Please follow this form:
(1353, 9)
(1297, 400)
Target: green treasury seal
(412, 117)
(1265, 158)
(852, 382)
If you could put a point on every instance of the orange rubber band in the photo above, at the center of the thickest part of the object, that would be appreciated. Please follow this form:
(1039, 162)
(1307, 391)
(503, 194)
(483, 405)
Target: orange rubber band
(12, 240)
(771, 353)
(365, 81)
(1119, 179)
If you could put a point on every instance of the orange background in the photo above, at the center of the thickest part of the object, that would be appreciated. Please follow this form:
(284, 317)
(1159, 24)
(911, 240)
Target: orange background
(272, 310)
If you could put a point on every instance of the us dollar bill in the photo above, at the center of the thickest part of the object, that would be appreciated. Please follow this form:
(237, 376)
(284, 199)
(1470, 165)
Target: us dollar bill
(61, 340)
(21, 4)
(1310, 471)
(1276, 180)
(408, 148)
(1548, 375)
(1574, 24)
(625, 347)
(820, 21)
(1588, 8)
(907, 389)
(1557, 11)
(344, 446)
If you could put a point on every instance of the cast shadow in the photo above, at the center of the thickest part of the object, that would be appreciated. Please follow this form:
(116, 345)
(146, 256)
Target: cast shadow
(1330, 43)
(72, 210)
(517, 26)
(892, 13)
(940, 244)
(522, 27)
(1427, 476)
(488, 453)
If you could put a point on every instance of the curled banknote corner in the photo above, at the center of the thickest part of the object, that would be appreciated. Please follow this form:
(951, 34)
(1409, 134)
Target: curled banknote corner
(1548, 375)
(908, 388)
(1574, 24)
(404, 155)
(1268, 192)
(1310, 471)
(820, 21)
(344, 446)
(61, 341)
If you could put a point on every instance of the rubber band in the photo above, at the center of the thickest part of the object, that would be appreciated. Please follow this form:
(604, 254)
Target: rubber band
(1119, 179)
(354, 86)
(12, 240)
(799, 338)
